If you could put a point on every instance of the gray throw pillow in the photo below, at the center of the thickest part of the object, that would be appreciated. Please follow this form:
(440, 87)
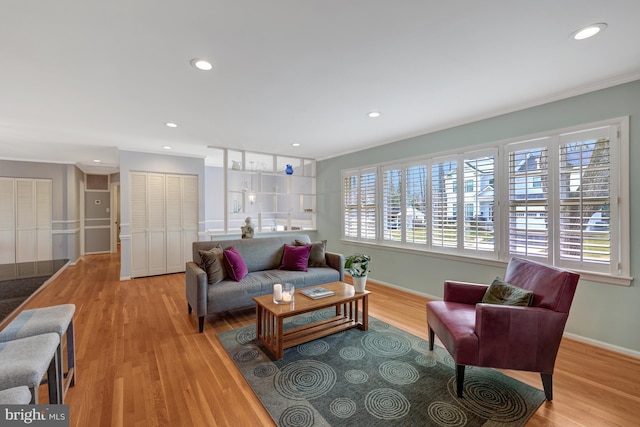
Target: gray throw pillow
(503, 293)
(213, 265)
(317, 254)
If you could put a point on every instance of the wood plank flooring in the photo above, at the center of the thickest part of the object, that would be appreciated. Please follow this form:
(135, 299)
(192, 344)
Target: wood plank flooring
(141, 362)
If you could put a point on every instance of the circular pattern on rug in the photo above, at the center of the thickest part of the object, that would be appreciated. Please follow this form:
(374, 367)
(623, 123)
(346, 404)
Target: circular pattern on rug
(352, 353)
(356, 376)
(386, 344)
(304, 379)
(246, 335)
(399, 373)
(386, 404)
(343, 407)
(246, 354)
(265, 370)
(296, 416)
(322, 314)
(446, 415)
(378, 325)
(313, 348)
(426, 361)
(424, 345)
(490, 398)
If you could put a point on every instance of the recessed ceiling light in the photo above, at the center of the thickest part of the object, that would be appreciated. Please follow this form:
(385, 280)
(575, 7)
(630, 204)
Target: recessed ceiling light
(171, 125)
(374, 114)
(295, 144)
(167, 147)
(588, 31)
(97, 161)
(201, 64)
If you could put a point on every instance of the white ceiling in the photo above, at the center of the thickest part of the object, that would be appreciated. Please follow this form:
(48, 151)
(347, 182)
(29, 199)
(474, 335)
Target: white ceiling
(80, 80)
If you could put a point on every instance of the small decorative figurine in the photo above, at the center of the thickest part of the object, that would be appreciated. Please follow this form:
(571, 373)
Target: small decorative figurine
(247, 229)
(289, 170)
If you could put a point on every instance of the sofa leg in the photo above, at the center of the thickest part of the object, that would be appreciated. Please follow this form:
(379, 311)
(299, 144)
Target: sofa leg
(200, 324)
(547, 384)
(432, 336)
(459, 379)
(190, 309)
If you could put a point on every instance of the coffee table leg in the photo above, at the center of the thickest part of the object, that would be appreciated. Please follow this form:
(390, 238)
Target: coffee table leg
(365, 313)
(280, 338)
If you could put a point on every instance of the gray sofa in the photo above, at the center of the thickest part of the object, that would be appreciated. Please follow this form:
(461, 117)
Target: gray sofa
(263, 257)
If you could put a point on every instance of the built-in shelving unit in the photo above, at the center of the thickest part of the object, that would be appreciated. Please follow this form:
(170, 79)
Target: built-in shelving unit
(258, 186)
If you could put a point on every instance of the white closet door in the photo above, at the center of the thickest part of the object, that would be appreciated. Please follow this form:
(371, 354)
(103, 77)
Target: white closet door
(175, 256)
(7, 221)
(189, 215)
(43, 218)
(26, 250)
(157, 224)
(138, 203)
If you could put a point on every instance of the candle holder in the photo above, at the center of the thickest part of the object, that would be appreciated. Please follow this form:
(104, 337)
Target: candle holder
(283, 293)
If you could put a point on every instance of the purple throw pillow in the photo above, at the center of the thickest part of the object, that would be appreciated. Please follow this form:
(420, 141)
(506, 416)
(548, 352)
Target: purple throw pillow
(295, 257)
(234, 263)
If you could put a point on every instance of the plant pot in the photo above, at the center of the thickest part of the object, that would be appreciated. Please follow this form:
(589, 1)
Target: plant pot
(359, 283)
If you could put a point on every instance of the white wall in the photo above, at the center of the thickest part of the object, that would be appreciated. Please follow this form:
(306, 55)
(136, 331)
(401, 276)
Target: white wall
(605, 313)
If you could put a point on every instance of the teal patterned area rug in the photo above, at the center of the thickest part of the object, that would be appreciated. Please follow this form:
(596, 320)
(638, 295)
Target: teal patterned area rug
(380, 377)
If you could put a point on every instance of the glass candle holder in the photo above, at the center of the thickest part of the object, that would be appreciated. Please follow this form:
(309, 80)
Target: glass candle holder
(283, 293)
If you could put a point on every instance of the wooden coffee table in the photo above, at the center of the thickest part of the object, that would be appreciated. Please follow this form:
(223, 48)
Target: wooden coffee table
(270, 317)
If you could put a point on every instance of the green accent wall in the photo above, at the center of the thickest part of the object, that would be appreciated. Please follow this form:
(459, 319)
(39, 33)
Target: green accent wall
(606, 314)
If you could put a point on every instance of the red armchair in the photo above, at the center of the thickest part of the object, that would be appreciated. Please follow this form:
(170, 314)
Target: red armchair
(502, 336)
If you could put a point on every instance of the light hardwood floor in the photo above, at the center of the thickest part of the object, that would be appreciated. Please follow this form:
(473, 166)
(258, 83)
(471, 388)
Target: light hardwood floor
(141, 363)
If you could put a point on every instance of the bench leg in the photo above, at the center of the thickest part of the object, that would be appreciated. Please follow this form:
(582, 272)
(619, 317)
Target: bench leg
(200, 324)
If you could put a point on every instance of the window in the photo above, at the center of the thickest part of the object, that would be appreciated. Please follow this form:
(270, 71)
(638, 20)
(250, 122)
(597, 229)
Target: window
(561, 198)
(360, 207)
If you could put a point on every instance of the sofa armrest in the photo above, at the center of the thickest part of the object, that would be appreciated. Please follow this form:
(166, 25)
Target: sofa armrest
(196, 288)
(464, 292)
(529, 335)
(336, 261)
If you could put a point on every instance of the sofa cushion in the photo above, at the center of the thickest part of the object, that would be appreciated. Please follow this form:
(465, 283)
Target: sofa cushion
(234, 263)
(213, 264)
(317, 256)
(503, 293)
(295, 258)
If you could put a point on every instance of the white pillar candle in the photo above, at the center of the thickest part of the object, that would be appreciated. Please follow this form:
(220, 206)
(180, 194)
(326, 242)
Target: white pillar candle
(286, 296)
(277, 292)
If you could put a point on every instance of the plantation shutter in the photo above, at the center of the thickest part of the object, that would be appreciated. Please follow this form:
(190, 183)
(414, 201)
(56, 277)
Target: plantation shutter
(529, 200)
(585, 191)
(444, 204)
(368, 205)
(416, 205)
(392, 215)
(350, 198)
(479, 232)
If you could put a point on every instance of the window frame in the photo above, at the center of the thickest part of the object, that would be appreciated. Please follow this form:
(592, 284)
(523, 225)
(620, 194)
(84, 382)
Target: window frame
(617, 270)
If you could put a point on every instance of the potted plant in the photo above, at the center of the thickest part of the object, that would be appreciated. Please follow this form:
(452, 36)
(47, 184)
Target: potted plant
(357, 266)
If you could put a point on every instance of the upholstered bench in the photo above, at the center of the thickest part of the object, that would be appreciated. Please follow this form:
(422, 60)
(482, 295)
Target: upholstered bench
(55, 319)
(15, 396)
(24, 362)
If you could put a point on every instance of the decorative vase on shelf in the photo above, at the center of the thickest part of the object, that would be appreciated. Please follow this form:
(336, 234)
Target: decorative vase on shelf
(359, 283)
(289, 170)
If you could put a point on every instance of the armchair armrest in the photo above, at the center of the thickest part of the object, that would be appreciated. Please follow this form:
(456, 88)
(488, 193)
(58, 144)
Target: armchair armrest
(464, 292)
(515, 337)
(196, 288)
(335, 261)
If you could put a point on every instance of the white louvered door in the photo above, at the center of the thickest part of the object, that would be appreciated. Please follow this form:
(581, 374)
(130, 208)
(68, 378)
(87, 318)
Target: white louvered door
(43, 217)
(164, 212)
(174, 224)
(7, 221)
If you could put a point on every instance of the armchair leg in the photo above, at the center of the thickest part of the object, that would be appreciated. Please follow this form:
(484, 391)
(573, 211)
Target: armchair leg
(547, 384)
(432, 337)
(200, 324)
(459, 379)
(190, 309)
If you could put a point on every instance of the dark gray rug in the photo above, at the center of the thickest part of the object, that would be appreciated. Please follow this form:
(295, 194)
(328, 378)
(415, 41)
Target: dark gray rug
(381, 377)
